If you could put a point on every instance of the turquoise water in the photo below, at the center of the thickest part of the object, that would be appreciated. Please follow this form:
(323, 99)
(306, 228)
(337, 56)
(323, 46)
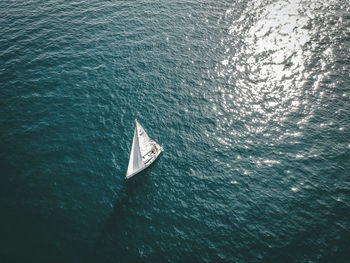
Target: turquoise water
(250, 100)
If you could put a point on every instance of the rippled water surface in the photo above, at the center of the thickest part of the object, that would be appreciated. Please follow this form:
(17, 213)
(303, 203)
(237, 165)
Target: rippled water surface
(250, 100)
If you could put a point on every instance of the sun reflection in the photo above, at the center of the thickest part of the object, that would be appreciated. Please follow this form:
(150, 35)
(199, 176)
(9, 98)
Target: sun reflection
(269, 81)
(266, 68)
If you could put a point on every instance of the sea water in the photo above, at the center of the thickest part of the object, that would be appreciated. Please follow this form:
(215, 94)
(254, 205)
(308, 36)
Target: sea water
(250, 100)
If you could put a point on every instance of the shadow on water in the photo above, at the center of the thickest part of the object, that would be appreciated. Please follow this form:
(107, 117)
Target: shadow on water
(105, 247)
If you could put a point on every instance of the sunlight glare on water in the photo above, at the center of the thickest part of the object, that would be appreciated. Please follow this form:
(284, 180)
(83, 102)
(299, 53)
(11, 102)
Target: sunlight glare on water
(267, 78)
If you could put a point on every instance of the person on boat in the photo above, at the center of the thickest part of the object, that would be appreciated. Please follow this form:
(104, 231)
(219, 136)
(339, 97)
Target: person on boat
(154, 149)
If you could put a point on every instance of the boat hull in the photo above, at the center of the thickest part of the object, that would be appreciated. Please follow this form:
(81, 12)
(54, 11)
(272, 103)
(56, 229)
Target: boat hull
(148, 163)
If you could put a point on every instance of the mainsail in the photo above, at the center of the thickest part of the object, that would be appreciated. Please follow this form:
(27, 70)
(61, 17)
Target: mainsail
(135, 161)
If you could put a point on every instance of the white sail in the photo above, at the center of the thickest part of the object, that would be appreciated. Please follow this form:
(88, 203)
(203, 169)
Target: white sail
(135, 161)
(144, 151)
(146, 144)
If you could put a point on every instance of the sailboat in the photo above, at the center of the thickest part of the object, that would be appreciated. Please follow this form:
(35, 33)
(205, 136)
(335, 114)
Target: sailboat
(144, 151)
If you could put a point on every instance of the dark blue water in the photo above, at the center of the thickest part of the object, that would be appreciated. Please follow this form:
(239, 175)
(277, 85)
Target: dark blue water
(250, 100)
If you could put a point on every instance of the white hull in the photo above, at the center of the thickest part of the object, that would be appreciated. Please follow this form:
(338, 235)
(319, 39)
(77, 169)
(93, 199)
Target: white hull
(150, 161)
